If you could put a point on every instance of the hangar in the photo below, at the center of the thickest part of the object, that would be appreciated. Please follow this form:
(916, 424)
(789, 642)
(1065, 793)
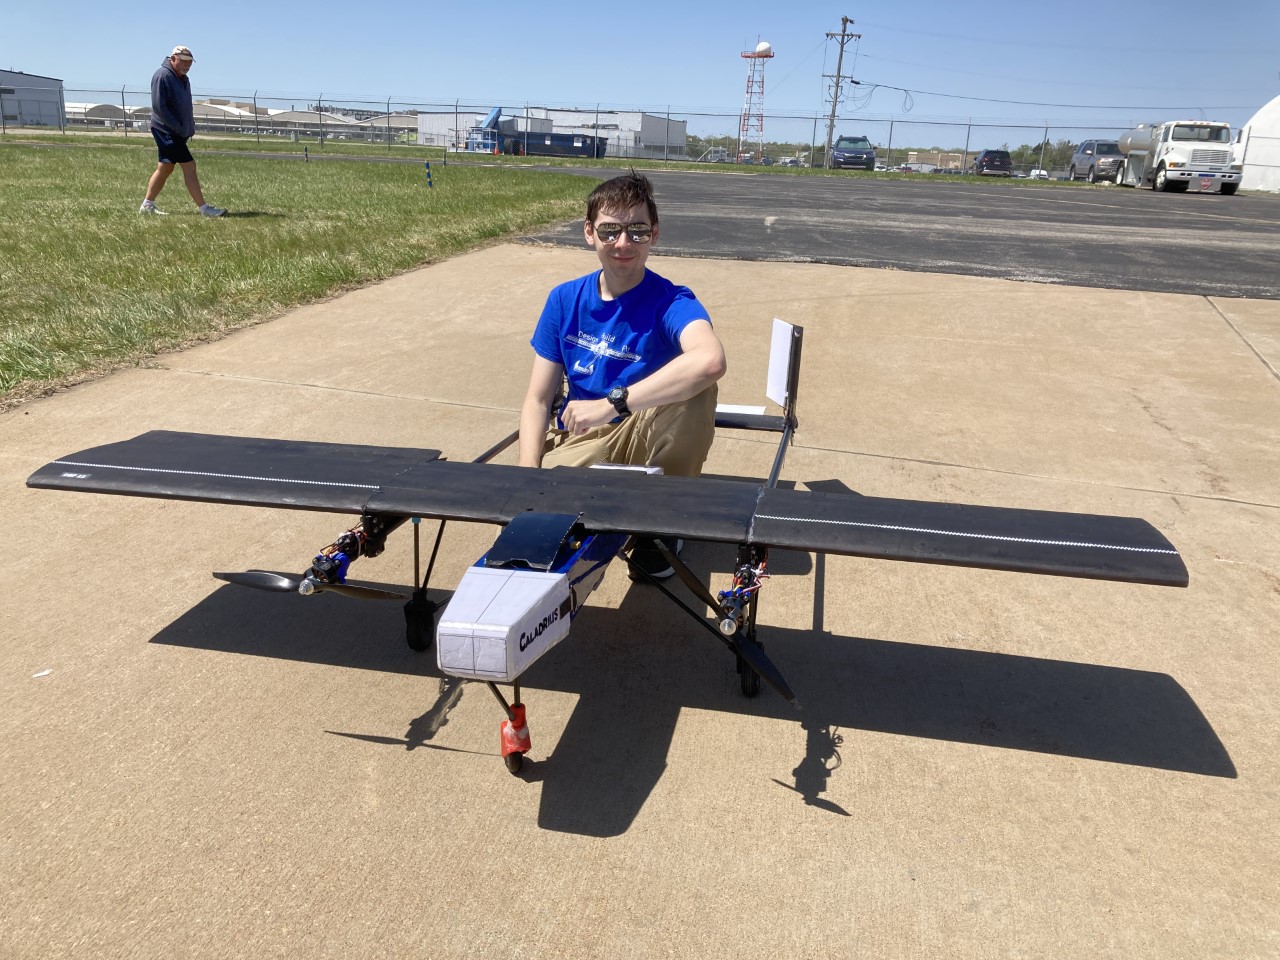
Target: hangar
(28, 100)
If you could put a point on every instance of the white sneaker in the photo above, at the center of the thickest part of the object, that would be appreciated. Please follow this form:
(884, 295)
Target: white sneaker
(209, 210)
(150, 208)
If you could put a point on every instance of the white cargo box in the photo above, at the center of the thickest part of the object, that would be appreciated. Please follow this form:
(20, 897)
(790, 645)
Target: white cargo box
(499, 622)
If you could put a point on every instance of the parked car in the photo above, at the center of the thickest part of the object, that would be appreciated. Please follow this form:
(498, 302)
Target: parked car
(853, 153)
(992, 163)
(1096, 160)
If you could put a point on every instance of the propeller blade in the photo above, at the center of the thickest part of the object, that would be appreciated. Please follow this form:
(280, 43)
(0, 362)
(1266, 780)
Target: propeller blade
(360, 593)
(263, 580)
(757, 660)
(289, 583)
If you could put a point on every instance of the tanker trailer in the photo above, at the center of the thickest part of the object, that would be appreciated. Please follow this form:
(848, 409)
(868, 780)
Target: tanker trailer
(1180, 155)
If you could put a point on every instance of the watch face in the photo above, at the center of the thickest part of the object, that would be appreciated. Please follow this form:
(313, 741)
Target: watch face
(616, 394)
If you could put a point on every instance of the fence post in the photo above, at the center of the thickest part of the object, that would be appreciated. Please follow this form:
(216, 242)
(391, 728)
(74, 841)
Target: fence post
(389, 138)
(4, 130)
(256, 132)
(320, 117)
(124, 112)
(888, 160)
(666, 135)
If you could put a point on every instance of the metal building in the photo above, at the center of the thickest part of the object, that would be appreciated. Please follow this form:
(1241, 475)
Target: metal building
(629, 133)
(28, 100)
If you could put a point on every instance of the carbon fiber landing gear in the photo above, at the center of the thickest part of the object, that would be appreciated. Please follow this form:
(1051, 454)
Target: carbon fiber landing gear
(419, 612)
(736, 609)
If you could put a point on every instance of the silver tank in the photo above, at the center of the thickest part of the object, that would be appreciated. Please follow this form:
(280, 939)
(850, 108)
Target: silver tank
(1141, 137)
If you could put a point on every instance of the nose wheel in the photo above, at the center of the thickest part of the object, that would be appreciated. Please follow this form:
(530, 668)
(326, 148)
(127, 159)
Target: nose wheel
(513, 732)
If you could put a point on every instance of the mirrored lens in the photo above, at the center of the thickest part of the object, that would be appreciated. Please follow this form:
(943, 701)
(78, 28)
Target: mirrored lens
(636, 232)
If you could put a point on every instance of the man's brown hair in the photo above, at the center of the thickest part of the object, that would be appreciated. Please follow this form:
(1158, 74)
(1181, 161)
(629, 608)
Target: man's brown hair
(623, 193)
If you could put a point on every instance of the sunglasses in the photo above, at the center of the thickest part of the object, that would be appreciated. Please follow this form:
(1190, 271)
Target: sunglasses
(636, 232)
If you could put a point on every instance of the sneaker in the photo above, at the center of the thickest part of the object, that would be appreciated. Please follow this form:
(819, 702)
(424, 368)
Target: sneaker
(651, 561)
(150, 208)
(209, 210)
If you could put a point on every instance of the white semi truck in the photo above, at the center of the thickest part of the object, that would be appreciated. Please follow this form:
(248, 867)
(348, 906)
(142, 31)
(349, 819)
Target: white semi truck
(1180, 155)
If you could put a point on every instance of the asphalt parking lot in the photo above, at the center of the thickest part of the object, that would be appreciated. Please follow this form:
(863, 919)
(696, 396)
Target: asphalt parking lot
(1082, 235)
(986, 765)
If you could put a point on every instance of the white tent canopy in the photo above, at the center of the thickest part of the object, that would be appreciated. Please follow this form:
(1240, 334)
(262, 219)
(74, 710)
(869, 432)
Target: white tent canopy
(1260, 149)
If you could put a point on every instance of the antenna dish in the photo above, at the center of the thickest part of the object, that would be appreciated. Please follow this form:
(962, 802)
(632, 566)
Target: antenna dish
(764, 47)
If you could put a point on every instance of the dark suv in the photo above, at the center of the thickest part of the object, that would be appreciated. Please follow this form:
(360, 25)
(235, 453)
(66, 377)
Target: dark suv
(1096, 160)
(992, 163)
(853, 153)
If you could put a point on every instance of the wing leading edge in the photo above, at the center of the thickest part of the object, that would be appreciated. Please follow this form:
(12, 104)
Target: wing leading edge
(349, 478)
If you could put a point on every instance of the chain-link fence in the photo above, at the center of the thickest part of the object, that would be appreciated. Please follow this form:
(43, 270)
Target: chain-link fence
(656, 133)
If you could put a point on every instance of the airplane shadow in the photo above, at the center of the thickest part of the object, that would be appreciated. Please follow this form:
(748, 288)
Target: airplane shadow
(634, 668)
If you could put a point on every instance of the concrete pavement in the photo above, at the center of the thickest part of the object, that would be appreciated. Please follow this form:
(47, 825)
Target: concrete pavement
(987, 764)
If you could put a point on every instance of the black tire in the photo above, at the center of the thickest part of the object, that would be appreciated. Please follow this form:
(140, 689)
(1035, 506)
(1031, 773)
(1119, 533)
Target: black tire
(1160, 182)
(514, 762)
(1071, 173)
(748, 680)
(1229, 189)
(1092, 175)
(419, 622)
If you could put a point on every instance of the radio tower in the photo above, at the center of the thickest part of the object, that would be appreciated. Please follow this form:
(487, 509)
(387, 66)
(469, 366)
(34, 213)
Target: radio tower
(753, 109)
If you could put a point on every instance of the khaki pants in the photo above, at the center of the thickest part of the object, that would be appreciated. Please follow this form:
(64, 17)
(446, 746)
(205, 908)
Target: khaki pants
(676, 438)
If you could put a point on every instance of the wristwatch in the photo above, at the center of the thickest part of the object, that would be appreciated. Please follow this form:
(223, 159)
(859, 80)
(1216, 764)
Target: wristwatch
(618, 397)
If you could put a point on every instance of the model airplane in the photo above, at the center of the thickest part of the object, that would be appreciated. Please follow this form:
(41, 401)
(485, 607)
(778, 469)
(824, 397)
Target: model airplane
(562, 527)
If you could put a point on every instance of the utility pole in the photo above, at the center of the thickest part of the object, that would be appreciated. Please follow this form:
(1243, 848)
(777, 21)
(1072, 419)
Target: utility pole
(844, 36)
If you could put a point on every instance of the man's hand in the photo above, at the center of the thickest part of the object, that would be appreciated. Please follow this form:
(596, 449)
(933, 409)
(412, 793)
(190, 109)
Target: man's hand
(579, 416)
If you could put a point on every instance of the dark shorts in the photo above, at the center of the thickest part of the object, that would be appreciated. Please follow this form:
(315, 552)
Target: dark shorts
(172, 149)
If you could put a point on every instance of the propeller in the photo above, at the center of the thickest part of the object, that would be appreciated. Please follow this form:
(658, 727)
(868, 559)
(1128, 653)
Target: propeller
(305, 585)
(755, 657)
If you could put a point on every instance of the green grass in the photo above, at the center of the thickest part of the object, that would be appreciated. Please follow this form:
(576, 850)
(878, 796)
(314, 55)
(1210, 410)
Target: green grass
(88, 285)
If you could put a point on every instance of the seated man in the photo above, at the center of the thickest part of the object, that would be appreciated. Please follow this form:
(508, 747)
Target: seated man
(638, 351)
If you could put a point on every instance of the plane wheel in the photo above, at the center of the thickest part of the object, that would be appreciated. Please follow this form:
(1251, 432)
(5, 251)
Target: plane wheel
(420, 621)
(749, 680)
(514, 762)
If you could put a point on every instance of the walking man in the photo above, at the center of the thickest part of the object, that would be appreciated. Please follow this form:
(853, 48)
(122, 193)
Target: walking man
(172, 125)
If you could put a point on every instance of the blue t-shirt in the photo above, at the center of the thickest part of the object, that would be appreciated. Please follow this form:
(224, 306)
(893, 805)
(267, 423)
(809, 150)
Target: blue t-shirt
(606, 343)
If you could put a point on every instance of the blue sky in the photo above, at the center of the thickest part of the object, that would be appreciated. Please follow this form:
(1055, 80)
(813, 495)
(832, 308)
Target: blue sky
(1107, 64)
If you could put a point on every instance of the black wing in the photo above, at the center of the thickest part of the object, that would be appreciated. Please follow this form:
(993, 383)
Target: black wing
(348, 478)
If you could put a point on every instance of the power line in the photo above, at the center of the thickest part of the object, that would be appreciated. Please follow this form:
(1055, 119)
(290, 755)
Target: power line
(1022, 103)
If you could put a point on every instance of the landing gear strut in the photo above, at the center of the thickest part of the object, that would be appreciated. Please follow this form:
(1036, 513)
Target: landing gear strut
(513, 731)
(736, 609)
